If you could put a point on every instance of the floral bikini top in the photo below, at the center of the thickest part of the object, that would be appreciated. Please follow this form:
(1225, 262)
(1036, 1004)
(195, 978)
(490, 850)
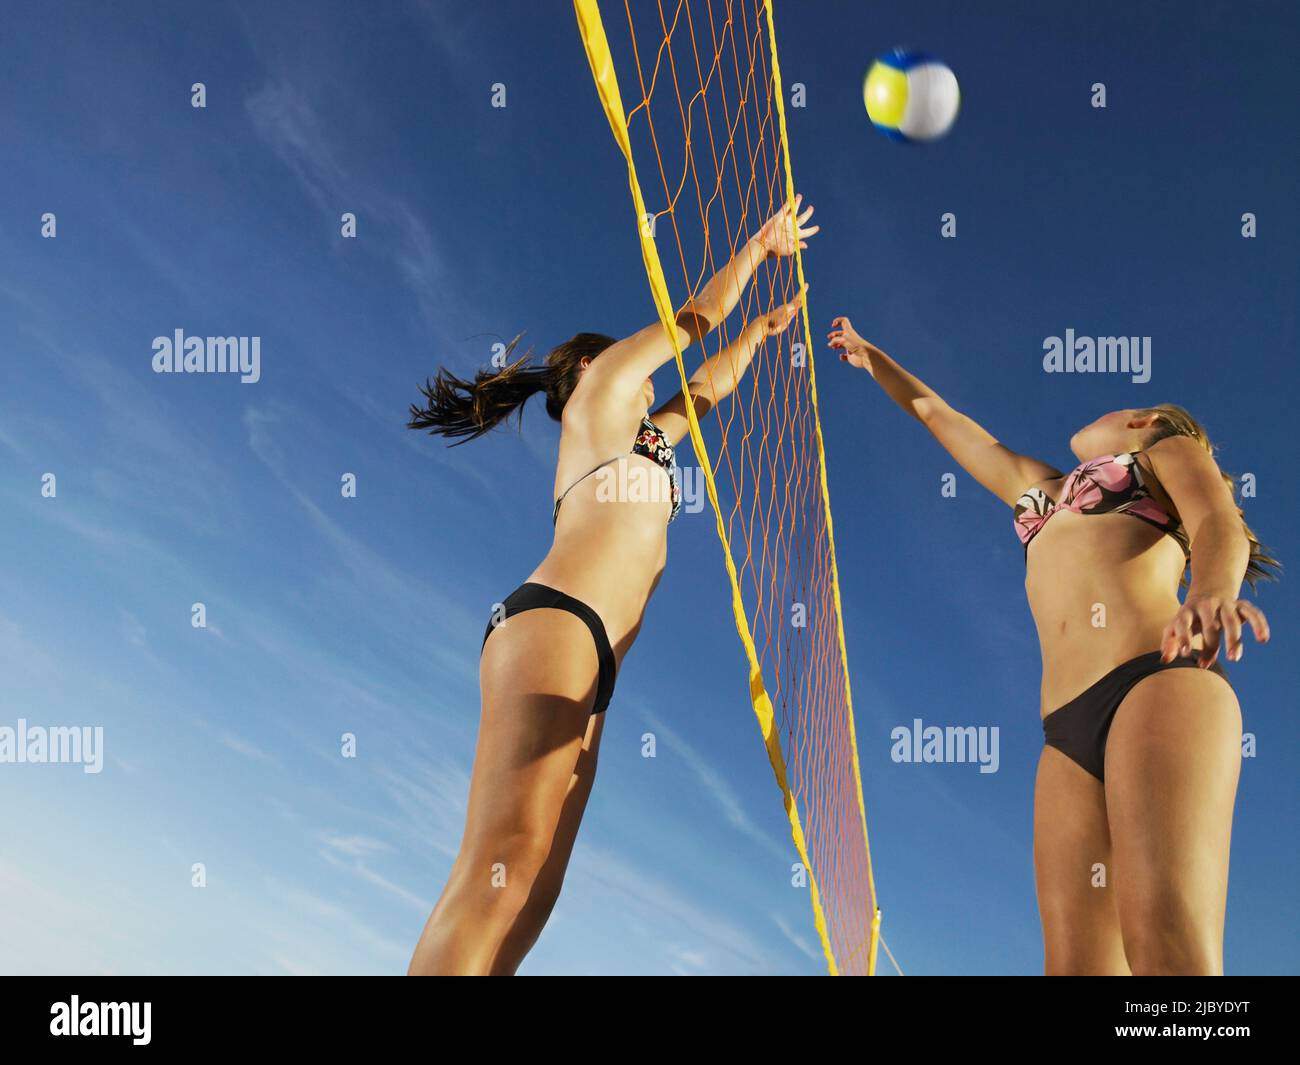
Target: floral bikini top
(1112, 484)
(651, 443)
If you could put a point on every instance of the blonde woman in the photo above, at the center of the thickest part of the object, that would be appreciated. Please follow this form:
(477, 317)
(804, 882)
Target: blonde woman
(1143, 731)
(551, 654)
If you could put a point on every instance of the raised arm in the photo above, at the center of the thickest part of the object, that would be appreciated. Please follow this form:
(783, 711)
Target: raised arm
(632, 360)
(1002, 471)
(718, 376)
(1220, 554)
(780, 235)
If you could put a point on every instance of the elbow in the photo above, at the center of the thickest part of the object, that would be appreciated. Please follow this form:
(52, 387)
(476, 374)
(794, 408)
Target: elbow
(694, 321)
(927, 409)
(704, 397)
(1218, 533)
(1222, 524)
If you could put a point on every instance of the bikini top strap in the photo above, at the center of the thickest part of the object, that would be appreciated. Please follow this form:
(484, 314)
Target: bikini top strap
(555, 516)
(646, 423)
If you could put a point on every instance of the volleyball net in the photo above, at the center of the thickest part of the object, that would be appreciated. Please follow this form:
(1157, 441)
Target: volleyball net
(707, 124)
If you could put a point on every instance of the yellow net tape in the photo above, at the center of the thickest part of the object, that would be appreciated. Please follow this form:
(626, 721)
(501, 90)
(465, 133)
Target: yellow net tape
(811, 666)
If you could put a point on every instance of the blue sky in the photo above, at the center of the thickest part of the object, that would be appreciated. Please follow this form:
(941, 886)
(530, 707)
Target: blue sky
(329, 615)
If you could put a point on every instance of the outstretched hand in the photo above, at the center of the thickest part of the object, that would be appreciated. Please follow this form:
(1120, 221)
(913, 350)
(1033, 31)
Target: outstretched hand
(778, 319)
(786, 230)
(1218, 620)
(853, 348)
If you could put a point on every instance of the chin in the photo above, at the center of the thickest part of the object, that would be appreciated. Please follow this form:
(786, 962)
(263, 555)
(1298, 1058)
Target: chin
(1092, 440)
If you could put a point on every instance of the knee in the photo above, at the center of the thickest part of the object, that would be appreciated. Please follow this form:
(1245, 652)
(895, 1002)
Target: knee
(1173, 958)
(1084, 959)
(503, 870)
(1065, 963)
(1171, 942)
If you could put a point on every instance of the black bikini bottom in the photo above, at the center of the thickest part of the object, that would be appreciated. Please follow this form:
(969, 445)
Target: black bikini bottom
(1079, 728)
(539, 596)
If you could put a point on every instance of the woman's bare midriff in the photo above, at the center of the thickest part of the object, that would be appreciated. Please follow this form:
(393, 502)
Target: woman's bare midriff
(1102, 588)
(610, 550)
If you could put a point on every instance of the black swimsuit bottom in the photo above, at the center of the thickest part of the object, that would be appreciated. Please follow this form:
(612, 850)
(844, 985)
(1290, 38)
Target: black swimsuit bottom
(1079, 728)
(540, 596)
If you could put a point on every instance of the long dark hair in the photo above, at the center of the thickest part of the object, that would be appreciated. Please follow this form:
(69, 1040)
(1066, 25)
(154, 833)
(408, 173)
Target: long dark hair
(456, 407)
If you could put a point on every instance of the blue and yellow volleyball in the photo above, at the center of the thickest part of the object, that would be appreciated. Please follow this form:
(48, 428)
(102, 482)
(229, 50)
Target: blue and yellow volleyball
(911, 96)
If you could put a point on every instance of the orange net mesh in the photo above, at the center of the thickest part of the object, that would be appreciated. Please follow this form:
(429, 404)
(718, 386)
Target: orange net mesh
(705, 127)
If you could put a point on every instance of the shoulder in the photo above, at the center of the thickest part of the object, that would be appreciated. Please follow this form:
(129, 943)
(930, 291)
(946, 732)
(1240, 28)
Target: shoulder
(1175, 455)
(1174, 446)
(599, 417)
(1189, 475)
(602, 397)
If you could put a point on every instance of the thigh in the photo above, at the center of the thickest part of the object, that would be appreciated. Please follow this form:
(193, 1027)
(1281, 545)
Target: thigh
(538, 678)
(1172, 762)
(545, 889)
(575, 802)
(1072, 853)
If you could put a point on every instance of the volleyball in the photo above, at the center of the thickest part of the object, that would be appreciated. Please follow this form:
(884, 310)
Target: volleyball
(911, 96)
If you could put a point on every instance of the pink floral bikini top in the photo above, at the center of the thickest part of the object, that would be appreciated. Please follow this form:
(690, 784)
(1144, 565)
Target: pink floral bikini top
(1112, 484)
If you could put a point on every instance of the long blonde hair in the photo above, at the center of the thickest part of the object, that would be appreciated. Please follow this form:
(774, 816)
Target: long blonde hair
(1176, 421)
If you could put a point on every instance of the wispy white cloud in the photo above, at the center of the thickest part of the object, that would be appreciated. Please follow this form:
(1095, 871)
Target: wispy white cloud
(362, 870)
(355, 846)
(447, 29)
(15, 445)
(321, 933)
(81, 933)
(420, 619)
(135, 633)
(687, 961)
(430, 796)
(284, 116)
(244, 747)
(294, 968)
(18, 648)
(717, 788)
(799, 942)
(717, 943)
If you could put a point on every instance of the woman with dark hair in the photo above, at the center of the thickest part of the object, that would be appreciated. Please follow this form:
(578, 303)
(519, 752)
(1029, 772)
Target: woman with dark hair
(547, 675)
(1138, 776)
